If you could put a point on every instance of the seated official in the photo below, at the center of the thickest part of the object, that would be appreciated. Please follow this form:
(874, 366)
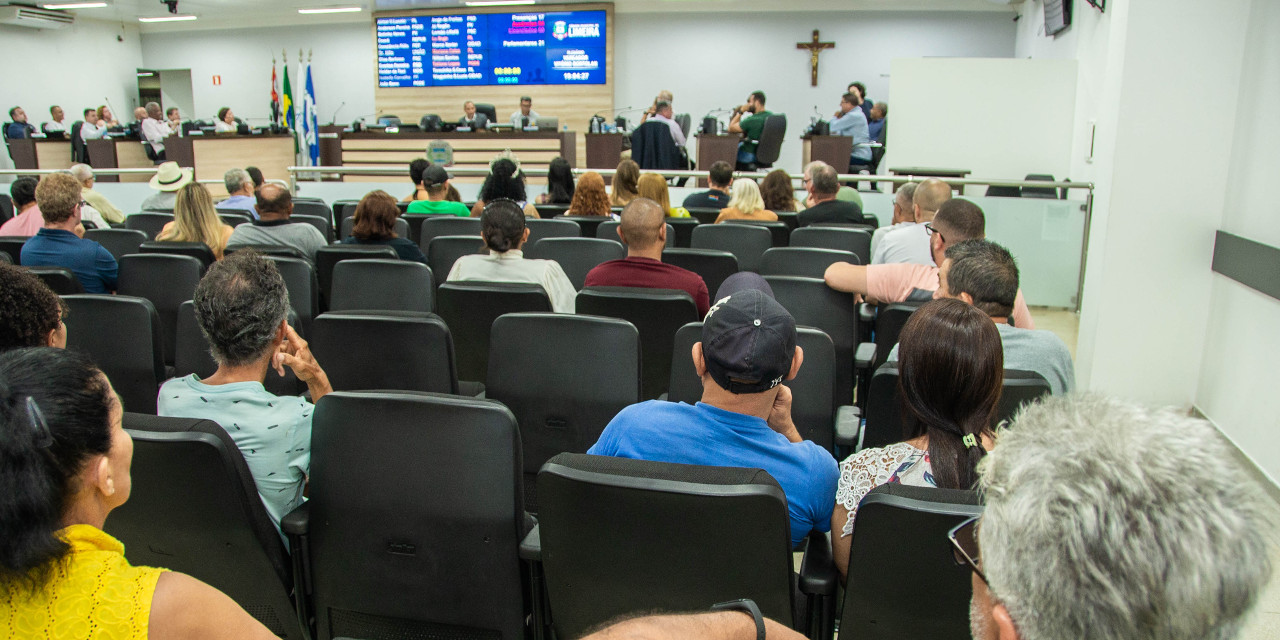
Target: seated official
(822, 206)
(226, 122)
(505, 181)
(665, 114)
(750, 127)
(589, 197)
(59, 243)
(109, 212)
(26, 220)
(471, 118)
(240, 185)
(626, 179)
(242, 308)
(910, 243)
(777, 192)
(195, 220)
(154, 129)
(168, 179)
(904, 215)
(375, 224)
(66, 459)
(436, 184)
(57, 125)
(273, 228)
(93, 127)
(525, 116)
(559, 183)
(173, 117)
(719, 176)
(106, 117)
(504, 233)
(877, 121)
(853, 122)
(744, 419)
(746, 203)
(30, 312)
(19, 128)
(950, 376)
(416, 167)
(643, 229)
(654, 187)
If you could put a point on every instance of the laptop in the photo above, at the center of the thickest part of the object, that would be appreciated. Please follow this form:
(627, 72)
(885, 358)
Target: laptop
(548, 124)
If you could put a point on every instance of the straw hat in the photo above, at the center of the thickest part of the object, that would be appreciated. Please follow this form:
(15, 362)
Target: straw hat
(169, 177)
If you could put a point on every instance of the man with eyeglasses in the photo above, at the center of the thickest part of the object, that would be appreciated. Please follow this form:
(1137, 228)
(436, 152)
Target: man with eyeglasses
(1106, 519)
(957, 220)
(820, 180)
(911, 242)
(59, 243)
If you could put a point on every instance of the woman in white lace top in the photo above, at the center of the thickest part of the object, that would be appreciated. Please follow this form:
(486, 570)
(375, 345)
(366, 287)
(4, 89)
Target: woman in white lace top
(951, 366)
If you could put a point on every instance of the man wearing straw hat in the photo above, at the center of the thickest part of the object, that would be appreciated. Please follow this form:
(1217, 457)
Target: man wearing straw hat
(168, 179)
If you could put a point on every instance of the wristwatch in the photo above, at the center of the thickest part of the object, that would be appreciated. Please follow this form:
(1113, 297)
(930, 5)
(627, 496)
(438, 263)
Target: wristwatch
(745, 605)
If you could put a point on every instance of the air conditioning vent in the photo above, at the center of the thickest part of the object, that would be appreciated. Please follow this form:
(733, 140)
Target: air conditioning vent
(33, 18)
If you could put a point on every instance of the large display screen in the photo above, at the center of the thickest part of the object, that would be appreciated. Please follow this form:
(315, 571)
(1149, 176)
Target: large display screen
(491, 49)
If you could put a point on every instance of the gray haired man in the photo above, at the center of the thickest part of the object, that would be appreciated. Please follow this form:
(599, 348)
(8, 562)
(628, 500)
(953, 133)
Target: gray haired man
(240, 187)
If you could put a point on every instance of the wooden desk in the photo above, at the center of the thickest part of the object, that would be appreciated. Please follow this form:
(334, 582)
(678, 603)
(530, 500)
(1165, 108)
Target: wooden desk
(471, 150)
(604, 150)
(833, 150)
(37, 153)
(210, 156)
(119, 153)
(713, 148)
(932, 172)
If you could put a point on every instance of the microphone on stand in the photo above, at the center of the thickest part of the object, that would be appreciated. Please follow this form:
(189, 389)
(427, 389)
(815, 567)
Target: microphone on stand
(335, 112)
(711, 123)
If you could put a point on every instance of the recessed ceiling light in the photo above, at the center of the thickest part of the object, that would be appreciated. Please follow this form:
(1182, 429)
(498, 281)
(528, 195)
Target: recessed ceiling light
(331, 10)
(167, 19)
(497, 3)
(75, 5)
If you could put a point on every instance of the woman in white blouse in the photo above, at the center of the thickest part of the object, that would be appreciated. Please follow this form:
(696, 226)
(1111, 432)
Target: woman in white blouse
(950, 371)
(226, 121)
(502, 225)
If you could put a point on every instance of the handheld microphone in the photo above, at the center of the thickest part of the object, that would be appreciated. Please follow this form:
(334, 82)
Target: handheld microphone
(335, 112)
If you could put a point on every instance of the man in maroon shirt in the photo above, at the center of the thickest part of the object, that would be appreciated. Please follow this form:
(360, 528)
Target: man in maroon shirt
(644, 231)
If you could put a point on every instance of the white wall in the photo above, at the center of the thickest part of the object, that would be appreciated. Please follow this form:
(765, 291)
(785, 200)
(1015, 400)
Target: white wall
(78, 67)
(175, 91)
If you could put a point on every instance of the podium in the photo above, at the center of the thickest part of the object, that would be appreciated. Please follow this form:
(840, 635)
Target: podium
(604, 150)
(712, 148)
(833, 150)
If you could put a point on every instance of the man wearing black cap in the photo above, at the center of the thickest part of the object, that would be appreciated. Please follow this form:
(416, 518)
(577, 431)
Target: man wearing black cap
(748, 349)
(436, 181)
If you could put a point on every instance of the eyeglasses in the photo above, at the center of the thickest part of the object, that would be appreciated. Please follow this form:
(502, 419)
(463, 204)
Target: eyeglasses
(964, 546)
(928, 226)
(84, 203)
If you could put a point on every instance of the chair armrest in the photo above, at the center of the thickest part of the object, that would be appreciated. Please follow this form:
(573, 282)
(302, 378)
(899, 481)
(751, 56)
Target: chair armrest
(864, 356)
(848, 426)
(531, 546)
(818, 569)
(866, 312)
(297, 522)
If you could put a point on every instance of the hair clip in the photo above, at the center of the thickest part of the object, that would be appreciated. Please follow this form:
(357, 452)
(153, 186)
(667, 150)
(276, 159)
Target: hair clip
(969, 441)
(43, 438)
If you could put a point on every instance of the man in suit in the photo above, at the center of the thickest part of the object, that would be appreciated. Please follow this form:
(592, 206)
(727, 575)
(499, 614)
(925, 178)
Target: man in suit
(476, 121)
(821, 205)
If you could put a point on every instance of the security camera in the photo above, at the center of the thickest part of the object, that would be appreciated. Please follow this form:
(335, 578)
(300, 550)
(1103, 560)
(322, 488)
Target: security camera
(172, 4)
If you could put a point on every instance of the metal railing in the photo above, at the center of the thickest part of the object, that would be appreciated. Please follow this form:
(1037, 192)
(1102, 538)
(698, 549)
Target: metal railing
(145, 171)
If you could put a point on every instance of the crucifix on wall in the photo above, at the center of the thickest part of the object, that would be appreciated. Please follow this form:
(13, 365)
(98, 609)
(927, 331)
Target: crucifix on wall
(814, 46)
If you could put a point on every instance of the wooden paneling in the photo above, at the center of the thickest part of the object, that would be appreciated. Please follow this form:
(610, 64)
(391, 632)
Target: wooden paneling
(53, 154)
(394, 152)
(214, 156)
(131, 155)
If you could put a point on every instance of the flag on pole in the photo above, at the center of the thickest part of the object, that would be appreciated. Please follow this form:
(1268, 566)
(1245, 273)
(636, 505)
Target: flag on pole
(286, 103)
(310, 137)
(275, 95)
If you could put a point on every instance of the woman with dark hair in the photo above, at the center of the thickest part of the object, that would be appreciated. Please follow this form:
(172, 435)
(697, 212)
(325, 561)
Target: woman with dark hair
(950, 371)
(375, 223)
(590, 198)
(226, 121)
(30, 312)
(504, 181)
(777, 192)
(625, 181)
(504, 232)
(64, 465)
(416, 169)
(559, 183)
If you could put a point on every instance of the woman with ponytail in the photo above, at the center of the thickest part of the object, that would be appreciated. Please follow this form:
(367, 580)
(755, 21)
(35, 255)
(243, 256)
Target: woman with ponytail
(950, 372)
(502, 225)
(64, 465)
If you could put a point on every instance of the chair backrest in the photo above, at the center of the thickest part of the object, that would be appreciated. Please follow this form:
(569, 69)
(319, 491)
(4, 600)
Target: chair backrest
(653, 148)
(775, 129)
(328, 256)
(315, 208)
(12, 245)
(488, 110)
(995, 191)
(901, 531)
(400, 350)
(469, 308)
(890, 319)
(704, 215)
(556, 210)
(234, 218)
(855, 241)
(747, 243)
(343, 209)
(322, 224)
(779, 231)
(122, 334)
(415, 516)
(608, 230)
(191, 354)
(714, 266)
(1040, 192)
(194, 508)
(813, 304)
(415, 220)
(656, 313)
(148, 222)
(166, 280)
(802, 261)
(587, 225)
(438, 226)
(382, 285)
(683, 228)
(402, 228)
(61, 279)
(198, 250)
(79, 151)
(577, 256)
(443, 251)
(620, 536)
(558, 228)
(304, 289)
(551, 370)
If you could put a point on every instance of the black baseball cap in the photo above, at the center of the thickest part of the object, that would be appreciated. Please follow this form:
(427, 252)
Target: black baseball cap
(435, 175)
(748, 342)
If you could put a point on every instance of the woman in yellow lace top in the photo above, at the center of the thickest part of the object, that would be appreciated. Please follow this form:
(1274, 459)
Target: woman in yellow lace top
(64, 465)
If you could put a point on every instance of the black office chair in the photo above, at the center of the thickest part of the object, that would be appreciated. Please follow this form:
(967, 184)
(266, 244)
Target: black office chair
(5, 259)
(488, 110)
(549, 370)
(559, 228)
(343, 209)
(714, 266)
(192, 355)
(194, 508)
(123, 336)
(558, 210)
(234, 218)
(813, 304)
(855, 241)
(683, 228)
(608, 230)
(656, 313)
(414, 518)
(328, 256)
(443, 251)
(382, 285)
(12, 246)
(746, 243)
(653, 148)
(1040, 192)
(901, 531)
(198, 250)
(470, 308)
(770, 143)
(802, 261)
(704, 215)
(60, 279)
(397, 350)
(167, 281)
(6, 208)
(577, 256)
(401, 228)
(437, 226)
(778, 229)
(79, 149)
(430, 122)
(322, 224)
(148, 222)
(415, 221)
(995, 191)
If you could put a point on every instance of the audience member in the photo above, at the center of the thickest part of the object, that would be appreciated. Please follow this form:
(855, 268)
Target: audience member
(139, 115)
(242, 306)
(106, 117)
(476, 121)
(750, 127)
(173, 117)
(559, 183)
(240, 187)
(416, 167)
(589, 197)
(949, 381)
(746, 203)
(820, 180)
(435, 181)
(666, 115)
(505, 232)
(226, 122)
(851, 121)
(505, 181)
(1106, 519)
(58, 122)
(777, 192)
(663, 95)
(19, 127)
(911, 242)
(59, 243)
(27, 220)
(258, 178)
(654, 187)
(957, 220)
(717, 196)
(643, 229)
(30, 312)
(195, 220)
(904, 214)
(625, 179)
(154, 130)
(525, 116)
(864, 102)
(720, 625)
(748, 347)
(375, 223)
(847, 193)
(168, 179)
(876, 121)
(93, 128)
(274, 229)
(66, 460)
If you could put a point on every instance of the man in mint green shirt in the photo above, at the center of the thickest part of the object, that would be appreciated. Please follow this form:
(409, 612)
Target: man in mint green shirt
(751, 127)
(436, 181)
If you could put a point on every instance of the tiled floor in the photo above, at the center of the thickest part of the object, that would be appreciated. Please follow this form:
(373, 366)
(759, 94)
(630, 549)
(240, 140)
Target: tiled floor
(1064, 323)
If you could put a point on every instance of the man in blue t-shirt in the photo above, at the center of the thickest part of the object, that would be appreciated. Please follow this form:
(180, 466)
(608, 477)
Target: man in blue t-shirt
(748, 348)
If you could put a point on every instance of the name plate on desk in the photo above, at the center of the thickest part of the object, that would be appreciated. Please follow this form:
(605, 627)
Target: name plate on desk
(331, 136)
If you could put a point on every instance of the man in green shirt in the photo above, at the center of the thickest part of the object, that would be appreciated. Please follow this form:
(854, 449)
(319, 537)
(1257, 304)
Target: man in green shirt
(436, 181)
(751, 127)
